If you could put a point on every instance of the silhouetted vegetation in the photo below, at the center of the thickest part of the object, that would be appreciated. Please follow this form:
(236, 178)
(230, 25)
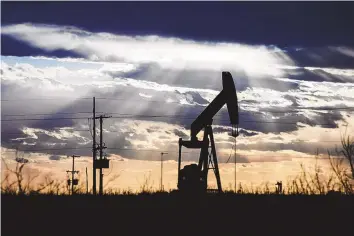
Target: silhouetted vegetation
(312, 201)
(18, 182)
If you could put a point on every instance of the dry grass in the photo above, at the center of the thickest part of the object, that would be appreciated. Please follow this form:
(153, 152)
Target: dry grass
(19, 182)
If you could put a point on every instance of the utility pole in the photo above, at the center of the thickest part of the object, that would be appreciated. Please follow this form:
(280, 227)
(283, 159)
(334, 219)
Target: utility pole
(73, 171)
(101, 155)
(101, 147)
(94, 148)
(161, 185)
(86, 182)
(235, 166)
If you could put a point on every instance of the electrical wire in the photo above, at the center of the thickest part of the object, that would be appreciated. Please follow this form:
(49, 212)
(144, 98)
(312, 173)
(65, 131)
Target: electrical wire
(196, 104)
(295, 110)
(47, 114)
(144, 150)
(45, 98)
(43, 119)
(89, 125)
(158, 116)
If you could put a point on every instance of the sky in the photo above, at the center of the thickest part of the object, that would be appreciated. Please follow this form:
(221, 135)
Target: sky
(155, 66)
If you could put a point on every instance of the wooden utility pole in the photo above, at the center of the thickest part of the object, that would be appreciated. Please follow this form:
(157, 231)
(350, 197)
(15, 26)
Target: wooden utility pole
(94, 148)
(73, 171)
(101, 147)
(235, 167)
(86, 182)
(161, 181)
(101, 155)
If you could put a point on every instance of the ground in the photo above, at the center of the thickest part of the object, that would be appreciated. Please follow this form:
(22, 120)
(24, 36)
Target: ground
(164, 213)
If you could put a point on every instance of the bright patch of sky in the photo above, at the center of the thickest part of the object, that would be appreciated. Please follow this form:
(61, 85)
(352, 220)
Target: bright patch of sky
(42, 62)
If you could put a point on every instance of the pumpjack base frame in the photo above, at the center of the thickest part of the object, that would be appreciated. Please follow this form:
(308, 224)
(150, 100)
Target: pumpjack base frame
(206, 158)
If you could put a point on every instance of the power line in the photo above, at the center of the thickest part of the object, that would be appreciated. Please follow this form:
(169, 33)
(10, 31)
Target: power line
(48, 149)
(78, 148)
(158, 116)
(72, 113)
(14, 133)
(115, 99)
(33, 99)
(158, 150)
(152, 150)
(195, 104)
(47, 114)
(116, 131)
(145, 150)
(244, 111)
(43, 119)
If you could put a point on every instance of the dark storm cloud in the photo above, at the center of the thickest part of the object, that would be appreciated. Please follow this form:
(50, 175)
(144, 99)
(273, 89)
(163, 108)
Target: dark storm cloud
(247, 133)
(302, 147)
(180, 134)
(57, 144)
(322, 57)
(286, 122)
(13, 47)
(118, 140)
(328, 119)
(277, 23)
(221, 129)
(195, 97)
(317, 75)
(56, 157)
(227, 129)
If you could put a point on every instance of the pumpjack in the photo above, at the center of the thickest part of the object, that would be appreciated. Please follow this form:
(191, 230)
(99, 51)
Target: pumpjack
(193, 178)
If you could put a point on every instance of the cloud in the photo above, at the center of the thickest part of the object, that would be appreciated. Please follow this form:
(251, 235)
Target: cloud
(56, 157)
(167, 52)
(155, 86)
(48, 134)
(133, 172)
(174, 78)
(180, 134)
(324, 57)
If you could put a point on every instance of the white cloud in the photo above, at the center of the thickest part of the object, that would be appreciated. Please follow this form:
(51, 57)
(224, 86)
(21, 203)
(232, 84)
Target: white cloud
(114, 62)
(334, 71)
(167, 52)
(83, 80)
(144, 95)
(108, 69)
(344, 50)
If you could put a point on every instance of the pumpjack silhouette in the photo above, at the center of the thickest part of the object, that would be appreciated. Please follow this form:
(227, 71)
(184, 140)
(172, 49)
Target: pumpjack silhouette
(194, 178)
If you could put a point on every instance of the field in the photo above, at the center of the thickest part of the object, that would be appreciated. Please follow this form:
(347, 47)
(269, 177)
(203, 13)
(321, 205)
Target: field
(166, 213)
(309, 205)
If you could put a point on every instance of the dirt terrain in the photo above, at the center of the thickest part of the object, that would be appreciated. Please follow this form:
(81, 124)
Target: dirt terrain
(173, 213)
